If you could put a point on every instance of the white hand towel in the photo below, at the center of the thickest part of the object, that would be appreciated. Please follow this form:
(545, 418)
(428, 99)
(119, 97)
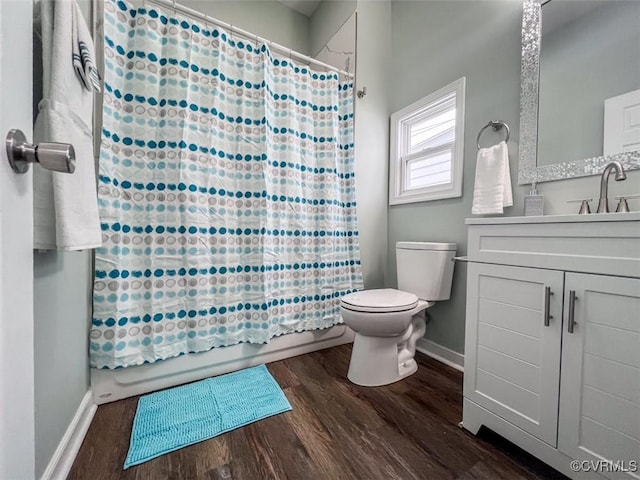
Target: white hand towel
(82, 52)
(65, 205)
(492, 189)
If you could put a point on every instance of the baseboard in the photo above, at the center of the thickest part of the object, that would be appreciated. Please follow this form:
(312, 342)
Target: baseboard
(64, 456)
(440, 353)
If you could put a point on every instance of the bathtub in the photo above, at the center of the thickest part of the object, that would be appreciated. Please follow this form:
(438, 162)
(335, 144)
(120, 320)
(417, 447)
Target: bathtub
(112, 385)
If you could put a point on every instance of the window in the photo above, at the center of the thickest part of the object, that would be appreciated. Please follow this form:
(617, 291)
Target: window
(427, 147)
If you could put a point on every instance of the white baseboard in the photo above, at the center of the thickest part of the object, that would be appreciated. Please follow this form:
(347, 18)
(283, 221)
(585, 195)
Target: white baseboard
(440, 353)
(64, 456)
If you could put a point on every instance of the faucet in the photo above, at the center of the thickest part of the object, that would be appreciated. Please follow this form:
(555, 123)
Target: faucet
(603, 203)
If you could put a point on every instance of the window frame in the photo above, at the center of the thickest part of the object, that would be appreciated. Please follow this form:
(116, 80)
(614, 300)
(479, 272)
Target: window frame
(398, 165)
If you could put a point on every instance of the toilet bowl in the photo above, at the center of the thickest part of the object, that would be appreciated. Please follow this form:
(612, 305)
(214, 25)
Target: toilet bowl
(388, 322)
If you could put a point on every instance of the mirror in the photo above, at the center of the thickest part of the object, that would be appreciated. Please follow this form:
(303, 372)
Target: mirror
(580, 88)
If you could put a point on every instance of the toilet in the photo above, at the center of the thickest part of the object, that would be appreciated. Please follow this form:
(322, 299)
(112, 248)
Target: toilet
(388, 322)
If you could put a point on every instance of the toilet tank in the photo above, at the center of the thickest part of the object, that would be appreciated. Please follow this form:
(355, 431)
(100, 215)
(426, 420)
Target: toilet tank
(425, 269)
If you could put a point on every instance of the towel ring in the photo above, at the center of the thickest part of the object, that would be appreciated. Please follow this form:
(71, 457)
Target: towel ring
(497, 126)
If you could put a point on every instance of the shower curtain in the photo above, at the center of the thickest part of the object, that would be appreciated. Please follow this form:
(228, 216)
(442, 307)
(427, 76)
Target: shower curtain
(226, 192)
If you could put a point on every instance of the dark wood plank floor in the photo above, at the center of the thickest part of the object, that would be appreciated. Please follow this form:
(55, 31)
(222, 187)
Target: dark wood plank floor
(337, 430)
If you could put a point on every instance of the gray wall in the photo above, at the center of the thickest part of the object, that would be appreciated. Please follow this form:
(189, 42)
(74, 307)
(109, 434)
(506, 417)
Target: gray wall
(434, 43)
(327, 20)
(583, 63)
(372, 137)
(62, 312)
(266, 18)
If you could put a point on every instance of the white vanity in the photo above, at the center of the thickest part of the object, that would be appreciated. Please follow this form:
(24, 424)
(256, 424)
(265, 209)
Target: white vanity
(552, 347)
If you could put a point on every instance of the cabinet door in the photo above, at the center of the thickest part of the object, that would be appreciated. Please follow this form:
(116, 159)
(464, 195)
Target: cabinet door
(600, 387)
(512, 359)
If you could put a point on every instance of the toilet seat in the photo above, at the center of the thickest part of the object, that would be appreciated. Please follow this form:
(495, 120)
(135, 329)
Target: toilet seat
(382, 300)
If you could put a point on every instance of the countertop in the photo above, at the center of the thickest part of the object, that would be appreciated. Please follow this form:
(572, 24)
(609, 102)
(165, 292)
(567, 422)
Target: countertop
(593, 217)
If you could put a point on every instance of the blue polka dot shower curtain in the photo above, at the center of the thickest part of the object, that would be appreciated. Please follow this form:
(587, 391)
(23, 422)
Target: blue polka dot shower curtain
(226, 192)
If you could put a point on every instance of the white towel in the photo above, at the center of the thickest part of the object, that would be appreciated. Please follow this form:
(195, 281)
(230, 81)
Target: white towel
(65, 205)
(492, 189)
(82, 52)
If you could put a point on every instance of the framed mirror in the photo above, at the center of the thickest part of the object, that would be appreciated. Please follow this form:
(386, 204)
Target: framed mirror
(579, 88)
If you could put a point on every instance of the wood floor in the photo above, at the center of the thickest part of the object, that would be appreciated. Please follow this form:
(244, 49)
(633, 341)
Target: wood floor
(336, 430)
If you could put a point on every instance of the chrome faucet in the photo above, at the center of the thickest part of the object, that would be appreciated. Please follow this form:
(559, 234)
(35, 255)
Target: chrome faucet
(603, 203)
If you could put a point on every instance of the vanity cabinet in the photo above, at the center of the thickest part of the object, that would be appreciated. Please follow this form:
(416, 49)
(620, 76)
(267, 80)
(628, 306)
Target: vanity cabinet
(516, 355)
(552, 346)
(600, 380)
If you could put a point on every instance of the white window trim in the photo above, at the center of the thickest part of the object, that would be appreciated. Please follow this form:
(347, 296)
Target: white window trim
(449, 190)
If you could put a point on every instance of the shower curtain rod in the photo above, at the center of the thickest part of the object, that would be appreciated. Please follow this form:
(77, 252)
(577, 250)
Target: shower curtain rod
(177, 7)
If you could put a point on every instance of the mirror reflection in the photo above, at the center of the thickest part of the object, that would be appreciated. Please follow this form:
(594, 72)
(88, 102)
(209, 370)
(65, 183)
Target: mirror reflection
(589, 90)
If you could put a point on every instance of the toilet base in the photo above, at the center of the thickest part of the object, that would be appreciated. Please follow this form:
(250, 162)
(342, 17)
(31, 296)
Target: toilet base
(377, 361)
(374, 362)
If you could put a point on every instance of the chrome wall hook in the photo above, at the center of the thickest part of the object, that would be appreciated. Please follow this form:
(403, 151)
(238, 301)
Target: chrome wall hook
(362, 93)
(59, 157)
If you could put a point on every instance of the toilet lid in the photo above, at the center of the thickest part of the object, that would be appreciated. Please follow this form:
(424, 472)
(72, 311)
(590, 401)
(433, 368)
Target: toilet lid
(380, 301)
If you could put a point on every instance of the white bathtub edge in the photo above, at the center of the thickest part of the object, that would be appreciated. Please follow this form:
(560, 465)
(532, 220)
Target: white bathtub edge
(111, 385)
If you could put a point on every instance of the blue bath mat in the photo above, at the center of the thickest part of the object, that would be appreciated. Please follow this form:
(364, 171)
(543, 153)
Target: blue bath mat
(171, 419)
